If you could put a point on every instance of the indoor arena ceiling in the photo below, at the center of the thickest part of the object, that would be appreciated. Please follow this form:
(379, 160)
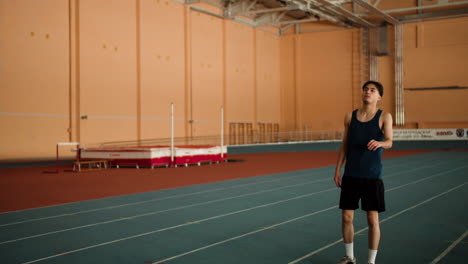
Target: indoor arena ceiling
(283, 14)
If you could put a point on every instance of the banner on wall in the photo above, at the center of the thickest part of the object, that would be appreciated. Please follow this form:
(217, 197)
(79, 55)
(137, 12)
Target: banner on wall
(431, 134)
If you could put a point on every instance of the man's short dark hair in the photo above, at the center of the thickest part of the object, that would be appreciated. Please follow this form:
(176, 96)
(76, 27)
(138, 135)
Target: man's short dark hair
(377, 84)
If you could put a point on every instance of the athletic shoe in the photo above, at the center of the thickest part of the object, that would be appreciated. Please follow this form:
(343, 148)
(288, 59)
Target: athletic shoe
(347, 260)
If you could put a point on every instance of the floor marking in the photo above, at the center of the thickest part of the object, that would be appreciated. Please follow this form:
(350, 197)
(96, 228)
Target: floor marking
(220, 216)
(306, 172)
(382, 221)
(246, 234)
(182, 225)
(204, 203)
(182, 207)
(429, 177)
(162, 211)
(461, 242)
(267, 227)
(291, 220)
(452, 246)
(160, 199)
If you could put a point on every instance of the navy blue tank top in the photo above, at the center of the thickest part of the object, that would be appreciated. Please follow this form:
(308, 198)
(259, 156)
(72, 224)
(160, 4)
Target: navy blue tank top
(360, 161)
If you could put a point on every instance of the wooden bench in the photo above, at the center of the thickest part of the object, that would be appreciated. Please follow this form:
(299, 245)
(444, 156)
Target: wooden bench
(92, 165)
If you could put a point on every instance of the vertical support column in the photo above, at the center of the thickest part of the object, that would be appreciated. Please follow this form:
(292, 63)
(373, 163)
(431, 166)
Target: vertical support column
(224, 91)
(74, 67)
(373, 65)
(297, 93)
(399, 96)
(188, 72)
(138, 72)
(255, 117)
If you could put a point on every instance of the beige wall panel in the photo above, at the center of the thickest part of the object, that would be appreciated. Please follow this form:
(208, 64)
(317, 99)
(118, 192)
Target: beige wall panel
(410, 36)
(207, 72)
(268, 88)
(436, 67)
(33, 77)
(25, 137)
(162, 67)
(108, 69)
(287, 82)
(436, 105)
(324, 78)
(446, 33)
(240, 101)
(437, 62)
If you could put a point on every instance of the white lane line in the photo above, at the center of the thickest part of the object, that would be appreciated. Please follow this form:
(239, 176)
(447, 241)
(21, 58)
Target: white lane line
(432, 176)
(301, 174)
(181, 225)
(382, 221)
(126, 218)
(187, 206)
(452, 246)
(244, 235)
(332, 244)
(198, 204)
(155, 200)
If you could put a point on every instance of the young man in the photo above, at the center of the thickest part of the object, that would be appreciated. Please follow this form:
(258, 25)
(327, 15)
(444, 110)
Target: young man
(368, 131)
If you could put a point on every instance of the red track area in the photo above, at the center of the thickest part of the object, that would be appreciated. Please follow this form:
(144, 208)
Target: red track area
(24, 188)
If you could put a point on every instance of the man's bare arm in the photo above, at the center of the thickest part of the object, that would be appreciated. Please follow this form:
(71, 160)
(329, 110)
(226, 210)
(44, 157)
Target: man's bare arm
(343, 149)
(388, 134)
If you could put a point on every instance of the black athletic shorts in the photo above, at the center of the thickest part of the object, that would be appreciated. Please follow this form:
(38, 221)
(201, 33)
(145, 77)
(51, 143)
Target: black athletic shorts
(370, 191)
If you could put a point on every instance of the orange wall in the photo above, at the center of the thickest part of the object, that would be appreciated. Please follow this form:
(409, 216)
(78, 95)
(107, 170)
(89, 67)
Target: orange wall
(34, 81)
(163, 59)
(109, 70)
(324, 78)
(108, 76)
(121, 63)
(435, 55)
(240, 69)
(267, 78)
(288, 83)
(207, 73)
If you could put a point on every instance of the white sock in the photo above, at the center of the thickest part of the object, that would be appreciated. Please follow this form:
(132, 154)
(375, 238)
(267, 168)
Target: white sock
(372, 255)
(349, 250)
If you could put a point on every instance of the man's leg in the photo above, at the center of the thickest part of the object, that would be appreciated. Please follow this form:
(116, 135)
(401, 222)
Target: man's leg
(374, 234)
(347, 226)
(348, 236)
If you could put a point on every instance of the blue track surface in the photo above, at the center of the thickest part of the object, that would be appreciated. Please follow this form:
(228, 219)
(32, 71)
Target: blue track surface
(280, 218)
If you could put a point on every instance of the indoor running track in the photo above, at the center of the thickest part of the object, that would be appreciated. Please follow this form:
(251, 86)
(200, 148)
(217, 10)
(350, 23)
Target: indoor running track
(272, 219)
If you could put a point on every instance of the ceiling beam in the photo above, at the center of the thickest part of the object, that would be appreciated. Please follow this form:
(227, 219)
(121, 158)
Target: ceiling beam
(345, 13)
(435, 15)
(378, 12)
(425, 7)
